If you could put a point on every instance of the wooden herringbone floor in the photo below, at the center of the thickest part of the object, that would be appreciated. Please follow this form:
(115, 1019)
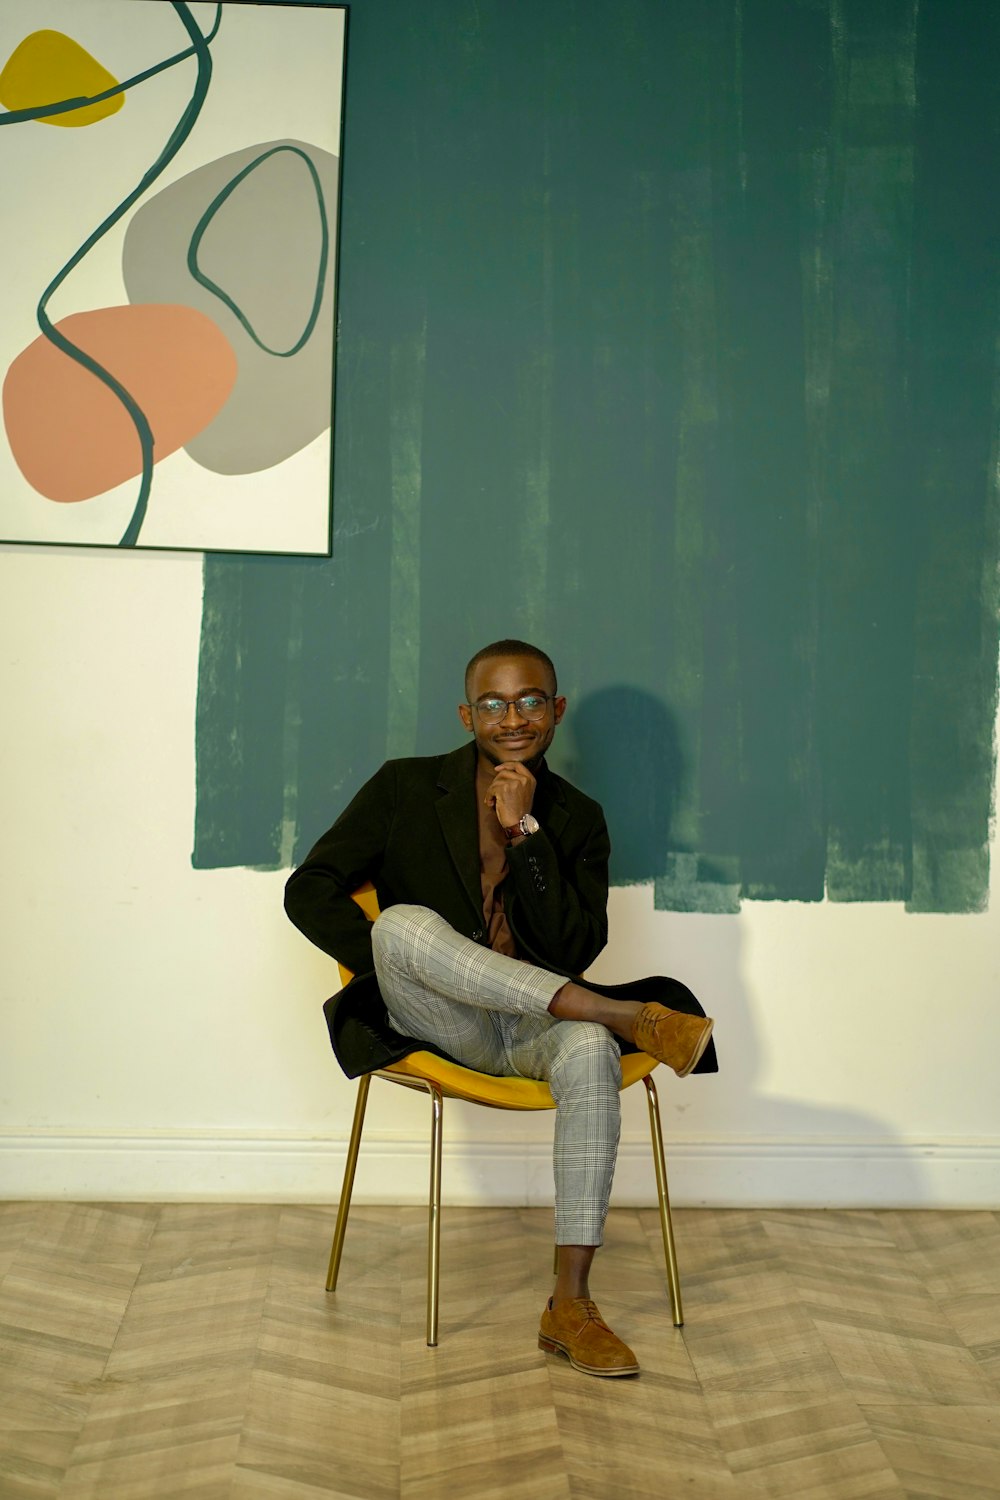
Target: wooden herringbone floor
(158, 1351)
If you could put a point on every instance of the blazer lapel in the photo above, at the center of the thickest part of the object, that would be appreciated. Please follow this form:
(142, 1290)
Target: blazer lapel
(456, 810)
(550, 806)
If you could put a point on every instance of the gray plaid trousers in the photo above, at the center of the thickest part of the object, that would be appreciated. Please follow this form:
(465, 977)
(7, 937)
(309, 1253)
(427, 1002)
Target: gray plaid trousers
(490, 1012)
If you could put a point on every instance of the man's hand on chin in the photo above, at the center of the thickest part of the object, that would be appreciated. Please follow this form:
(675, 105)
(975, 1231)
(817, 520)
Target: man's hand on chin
(511, 792)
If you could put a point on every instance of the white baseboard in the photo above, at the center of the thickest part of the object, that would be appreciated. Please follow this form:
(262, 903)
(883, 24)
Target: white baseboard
(718, 1173)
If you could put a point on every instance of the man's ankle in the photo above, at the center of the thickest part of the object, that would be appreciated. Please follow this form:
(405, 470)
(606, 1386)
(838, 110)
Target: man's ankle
(573, 1295)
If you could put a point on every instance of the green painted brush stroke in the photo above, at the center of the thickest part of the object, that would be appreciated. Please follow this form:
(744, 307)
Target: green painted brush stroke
(406, 365)
(668, 337)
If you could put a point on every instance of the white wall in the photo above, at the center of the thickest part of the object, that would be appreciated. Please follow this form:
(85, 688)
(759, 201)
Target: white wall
(161, 1027)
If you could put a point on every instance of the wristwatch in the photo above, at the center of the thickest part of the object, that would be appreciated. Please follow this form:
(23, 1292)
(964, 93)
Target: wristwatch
(528, 824)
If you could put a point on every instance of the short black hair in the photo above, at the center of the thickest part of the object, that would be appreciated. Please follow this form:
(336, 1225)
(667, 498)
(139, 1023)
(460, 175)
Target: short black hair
(511, 648)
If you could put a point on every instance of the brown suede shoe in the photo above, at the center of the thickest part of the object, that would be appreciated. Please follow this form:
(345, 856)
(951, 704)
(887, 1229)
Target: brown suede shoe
(577, 1330)
(671, 1036)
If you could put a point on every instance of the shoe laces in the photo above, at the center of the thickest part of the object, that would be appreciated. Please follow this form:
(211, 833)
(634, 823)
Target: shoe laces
(592, 1315)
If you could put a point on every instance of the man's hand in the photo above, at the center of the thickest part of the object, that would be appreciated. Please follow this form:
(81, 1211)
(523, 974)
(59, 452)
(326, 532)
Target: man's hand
(511, 793)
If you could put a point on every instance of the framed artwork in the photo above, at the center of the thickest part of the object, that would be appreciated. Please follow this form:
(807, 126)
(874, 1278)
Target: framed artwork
(171, 180)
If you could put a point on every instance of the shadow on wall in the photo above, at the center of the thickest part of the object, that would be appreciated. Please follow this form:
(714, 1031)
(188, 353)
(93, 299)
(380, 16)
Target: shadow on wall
(790, 1149)
(628, 756)
(626, 752)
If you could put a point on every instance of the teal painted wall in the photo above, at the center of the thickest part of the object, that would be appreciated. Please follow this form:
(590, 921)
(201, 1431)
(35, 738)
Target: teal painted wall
(668, 340)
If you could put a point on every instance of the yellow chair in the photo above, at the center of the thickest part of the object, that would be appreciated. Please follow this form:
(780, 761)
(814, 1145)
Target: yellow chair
(442, 1080)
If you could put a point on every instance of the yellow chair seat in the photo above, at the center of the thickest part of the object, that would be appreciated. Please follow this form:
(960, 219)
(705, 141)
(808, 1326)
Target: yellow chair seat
(456, 1082)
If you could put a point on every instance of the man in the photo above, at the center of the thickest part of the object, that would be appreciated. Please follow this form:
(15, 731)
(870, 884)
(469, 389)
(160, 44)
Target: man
(492, 880)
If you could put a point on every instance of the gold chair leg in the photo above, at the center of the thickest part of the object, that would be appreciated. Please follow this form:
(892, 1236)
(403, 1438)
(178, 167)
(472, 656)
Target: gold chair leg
(344, 1207)
(434, 1218)
(666, 1224)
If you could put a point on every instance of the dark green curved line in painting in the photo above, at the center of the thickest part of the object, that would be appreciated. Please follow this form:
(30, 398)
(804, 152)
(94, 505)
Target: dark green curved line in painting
(65, 106)
(213, 287)
(200, 49)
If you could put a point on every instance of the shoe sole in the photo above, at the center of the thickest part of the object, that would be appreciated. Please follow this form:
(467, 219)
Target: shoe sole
(698, 1052)
(552, 1346)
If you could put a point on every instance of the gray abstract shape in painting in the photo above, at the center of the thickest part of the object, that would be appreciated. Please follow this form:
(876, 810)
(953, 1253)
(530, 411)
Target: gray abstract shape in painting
(262, 249)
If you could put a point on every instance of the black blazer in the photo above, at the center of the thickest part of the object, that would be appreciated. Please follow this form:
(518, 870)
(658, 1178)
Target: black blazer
(413, 831)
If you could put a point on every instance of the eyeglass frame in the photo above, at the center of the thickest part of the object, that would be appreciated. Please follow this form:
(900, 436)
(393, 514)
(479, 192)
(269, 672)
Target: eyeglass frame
(513, 702)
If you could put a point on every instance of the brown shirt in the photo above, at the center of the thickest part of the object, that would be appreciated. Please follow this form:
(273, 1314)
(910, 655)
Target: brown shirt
(492, 869)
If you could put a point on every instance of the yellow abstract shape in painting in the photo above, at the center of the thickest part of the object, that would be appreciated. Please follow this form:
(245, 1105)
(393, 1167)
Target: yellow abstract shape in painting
(48, 67)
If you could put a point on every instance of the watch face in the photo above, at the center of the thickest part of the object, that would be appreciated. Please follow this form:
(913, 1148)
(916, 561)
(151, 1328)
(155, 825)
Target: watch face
(529, 823)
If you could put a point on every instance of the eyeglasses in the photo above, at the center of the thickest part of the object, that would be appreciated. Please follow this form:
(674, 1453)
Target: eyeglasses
(529, 706)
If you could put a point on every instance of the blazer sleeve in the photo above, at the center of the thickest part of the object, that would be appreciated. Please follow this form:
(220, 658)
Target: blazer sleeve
(318, 893)
(560, 908)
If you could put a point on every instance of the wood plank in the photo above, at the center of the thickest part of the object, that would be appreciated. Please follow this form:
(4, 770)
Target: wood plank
(735, 1281)
(322, 1414)
(149, 1351)
(941, 1452)
(807, 1447)
(62, 1302)
(651, 1435)
(483, 1393)
(887, 1335)
(168, 1412)
(16, 1222)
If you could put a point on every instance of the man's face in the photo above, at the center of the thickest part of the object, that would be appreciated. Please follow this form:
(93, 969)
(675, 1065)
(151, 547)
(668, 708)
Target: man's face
(514, 737)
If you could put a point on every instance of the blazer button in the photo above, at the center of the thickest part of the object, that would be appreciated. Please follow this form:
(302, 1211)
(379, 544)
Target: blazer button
(477, 936)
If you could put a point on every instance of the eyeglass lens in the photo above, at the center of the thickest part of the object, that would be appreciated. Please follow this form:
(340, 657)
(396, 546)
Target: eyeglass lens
(531, 706)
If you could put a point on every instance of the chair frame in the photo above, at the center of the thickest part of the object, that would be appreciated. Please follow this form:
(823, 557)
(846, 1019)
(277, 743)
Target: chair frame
(437, 1097)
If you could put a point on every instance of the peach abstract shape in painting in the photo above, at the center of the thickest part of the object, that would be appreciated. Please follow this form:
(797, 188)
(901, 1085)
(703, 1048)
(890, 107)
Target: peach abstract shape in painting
(48, 67)
(71, 437)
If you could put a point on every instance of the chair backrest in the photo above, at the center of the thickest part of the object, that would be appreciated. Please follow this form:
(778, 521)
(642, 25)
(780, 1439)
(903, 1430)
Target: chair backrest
(368, 901)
